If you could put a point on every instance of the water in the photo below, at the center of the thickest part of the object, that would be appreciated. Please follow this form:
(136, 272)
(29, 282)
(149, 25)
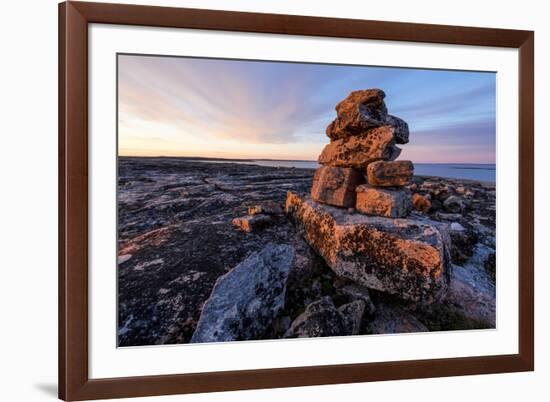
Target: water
(470, 171)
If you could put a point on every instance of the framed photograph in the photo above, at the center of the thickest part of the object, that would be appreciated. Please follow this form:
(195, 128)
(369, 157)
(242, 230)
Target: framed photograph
(260, 200)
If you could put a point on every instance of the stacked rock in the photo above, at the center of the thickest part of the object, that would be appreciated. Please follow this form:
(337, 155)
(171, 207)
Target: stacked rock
(358, 165)
(407, 257)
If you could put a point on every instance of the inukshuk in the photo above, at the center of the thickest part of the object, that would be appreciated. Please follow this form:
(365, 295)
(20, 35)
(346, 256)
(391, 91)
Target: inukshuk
(371, 240)
(359, 168)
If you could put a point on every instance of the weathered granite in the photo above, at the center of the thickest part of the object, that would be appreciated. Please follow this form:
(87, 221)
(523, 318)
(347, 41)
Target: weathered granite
(401, 129)
(454, 204)
(406, 257)
(252, 223)
(174, 220)
(266, 208)
(353, 291)
(390, 203)
(360, 150)
(336, 186)
(176, 239)
(390, 173)
(320, 318)
(421, 203)
(358, 112)
(393, 318)
(245, 301)
(362, 110)
(353, 314)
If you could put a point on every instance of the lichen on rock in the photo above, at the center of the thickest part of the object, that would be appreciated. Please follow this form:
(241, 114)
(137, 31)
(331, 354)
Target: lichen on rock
(336, 186)
(245, 301)
(360, 150)
(390, 203)
(390, 173)
(406, 257)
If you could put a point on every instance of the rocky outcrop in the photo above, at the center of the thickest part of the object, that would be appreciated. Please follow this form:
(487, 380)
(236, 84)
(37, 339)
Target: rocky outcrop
(406, 257)
(245, 301)
(360, 150)
(336, 186)
(176, 240)
(374, 266)
(383, 202)
(390, 173)
(174, 218)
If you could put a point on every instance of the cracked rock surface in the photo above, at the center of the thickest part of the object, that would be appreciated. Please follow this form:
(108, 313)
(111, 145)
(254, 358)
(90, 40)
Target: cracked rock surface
(176, 239)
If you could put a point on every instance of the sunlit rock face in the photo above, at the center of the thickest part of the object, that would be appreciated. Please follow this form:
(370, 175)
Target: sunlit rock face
(390, 203)
(390, 173)
(252, 223)
(336, 186)
(421, 203)
(360, 150)
(362, 110)
(408, 258)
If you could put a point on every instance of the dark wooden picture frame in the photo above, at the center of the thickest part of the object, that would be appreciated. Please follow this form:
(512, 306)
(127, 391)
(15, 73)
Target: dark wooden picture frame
(74, 381)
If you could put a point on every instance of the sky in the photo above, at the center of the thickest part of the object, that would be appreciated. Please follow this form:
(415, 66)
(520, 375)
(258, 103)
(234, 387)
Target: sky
(175, 106)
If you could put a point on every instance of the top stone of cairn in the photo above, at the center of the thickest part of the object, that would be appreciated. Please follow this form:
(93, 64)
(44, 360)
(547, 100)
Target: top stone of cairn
(363, 110)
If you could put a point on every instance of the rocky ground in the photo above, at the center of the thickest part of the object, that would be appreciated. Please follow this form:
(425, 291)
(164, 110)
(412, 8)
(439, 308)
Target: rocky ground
(177, 238)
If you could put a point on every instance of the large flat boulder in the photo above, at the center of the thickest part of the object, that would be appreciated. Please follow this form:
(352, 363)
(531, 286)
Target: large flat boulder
(336, 186)
(394, 203)
(245, 301)
(405, 257)
(360, 150)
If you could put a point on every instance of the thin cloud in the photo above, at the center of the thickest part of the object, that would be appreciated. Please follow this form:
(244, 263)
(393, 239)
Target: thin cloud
(262, 103)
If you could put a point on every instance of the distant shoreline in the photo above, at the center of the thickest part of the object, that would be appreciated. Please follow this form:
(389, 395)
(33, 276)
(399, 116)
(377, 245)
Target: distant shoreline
(204, 158)
(474, 172)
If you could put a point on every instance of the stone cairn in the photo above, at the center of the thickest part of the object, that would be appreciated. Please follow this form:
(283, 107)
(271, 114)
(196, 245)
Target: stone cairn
(357, 218)
(359, 167)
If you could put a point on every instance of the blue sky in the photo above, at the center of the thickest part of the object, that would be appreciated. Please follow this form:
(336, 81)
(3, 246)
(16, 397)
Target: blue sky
(246, 109)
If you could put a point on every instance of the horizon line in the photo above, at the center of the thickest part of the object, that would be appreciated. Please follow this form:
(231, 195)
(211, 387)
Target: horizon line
(276, 159)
